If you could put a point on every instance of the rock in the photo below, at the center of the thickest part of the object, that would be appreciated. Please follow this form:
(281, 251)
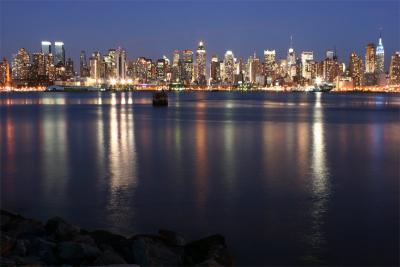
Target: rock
(172, 238)
(45, 250)
(6, 245)
(121, 245)
(75, 253)
(21, 247)
(152, 251)
(60, 229)
(85, 239)
(5, 262)
(212, 248)
(20, 227)
(109, 257)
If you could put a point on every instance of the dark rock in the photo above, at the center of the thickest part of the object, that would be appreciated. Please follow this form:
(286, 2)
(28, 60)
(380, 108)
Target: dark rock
(109, 257)
(20, 227)
(172, 238)
(152, 251)
(7, 217)
(5, 262)
(60, 229)
(85, 239)
(75, 253)
(121, 245)
(7, 244)
(212, 248)
(45, 250)
(21, 247)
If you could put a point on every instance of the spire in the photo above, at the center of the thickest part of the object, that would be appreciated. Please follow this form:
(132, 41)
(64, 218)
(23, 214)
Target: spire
(291, 41)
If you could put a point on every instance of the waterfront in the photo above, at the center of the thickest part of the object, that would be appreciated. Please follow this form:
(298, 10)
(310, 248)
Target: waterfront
(287, 178)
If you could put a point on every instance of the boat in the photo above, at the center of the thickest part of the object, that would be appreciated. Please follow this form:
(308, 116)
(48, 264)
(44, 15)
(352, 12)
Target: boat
(160, 99)
(324, 87)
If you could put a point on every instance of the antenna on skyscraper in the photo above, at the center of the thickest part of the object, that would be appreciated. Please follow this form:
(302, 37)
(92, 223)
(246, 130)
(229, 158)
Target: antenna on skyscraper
(291, 41)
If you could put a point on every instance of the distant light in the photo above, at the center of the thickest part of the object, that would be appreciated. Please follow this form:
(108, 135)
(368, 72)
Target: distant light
(58, 43)
(46, 43)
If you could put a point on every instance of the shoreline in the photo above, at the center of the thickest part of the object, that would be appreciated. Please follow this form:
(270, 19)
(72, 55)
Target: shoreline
(26, 241)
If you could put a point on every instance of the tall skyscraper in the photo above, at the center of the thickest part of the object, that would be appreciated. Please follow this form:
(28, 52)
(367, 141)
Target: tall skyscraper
(38, 68)
(380, 57)
(215, 70)
(69, 68)
(21, 65)
(229, 67)
(306, 58)
(269, 64)
(83, 67)
(201, 64)
(370, 58)
(95, 65)
(120, 61)
(46, 47)
(291, 56)
(187, 74)
(356, 69)
(110, 64)
(394, 72)
(176, 66)
(59, 53)
(5, 74)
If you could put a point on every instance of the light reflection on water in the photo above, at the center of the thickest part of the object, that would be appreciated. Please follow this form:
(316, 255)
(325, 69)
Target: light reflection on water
(277, 171)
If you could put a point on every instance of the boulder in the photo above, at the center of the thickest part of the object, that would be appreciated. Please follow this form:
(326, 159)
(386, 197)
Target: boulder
(61, 230)
(45, 250)
(75, 253)
(7, 244)
(120, 244)
(109, 257)
(172, 238)
(209, 249)
(153, 251)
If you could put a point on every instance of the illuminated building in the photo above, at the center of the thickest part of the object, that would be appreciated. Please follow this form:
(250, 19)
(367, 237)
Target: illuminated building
(83, 67)
(394, 72)
(201, 64)
(215, 70)
(176, 66)
(253, 68)
(229, 67)
(59, 71)
(69, 68)
(120, 61)
(187, 71)
(356, 69)
(380, 58)
(291, 56)
(20, 66)
(38, 67)
(161, 70)
(95, 66)
(50, 68)
(306, 58)
(110, 65)
(330, 67)
(370, 58)
(269, 65)
(46, 47)
(5, 75)
(59, 53)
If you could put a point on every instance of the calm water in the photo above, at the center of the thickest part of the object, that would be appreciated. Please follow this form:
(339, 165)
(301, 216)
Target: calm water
(287, 178)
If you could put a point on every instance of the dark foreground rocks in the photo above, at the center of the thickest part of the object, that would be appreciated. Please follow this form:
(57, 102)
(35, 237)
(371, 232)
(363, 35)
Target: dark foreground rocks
(30, 242)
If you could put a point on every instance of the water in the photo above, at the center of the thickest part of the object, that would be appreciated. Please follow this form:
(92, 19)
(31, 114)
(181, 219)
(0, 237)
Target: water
(287, 178)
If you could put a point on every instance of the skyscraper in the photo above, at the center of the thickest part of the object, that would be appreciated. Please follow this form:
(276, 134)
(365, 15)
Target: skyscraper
(394, 72)
(187, 74)
(83, 67)
(38, 68)
(176, 66)
(356, 69)
(269, 65)
(95, 65)
(380, 58)
(59, 53)
(69, 68)
(306, 58)
(201, 64)
(229, 67)
(20, 65)
(120, 61)
(291, 56)
(215, 70)
(370, 58)
(46, 47)
(5, 75)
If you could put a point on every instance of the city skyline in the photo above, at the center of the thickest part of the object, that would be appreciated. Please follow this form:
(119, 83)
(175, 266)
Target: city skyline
(161, 32)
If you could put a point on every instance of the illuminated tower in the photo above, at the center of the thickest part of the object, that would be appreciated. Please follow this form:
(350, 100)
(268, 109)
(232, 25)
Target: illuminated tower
(291, 56)
(370, 58)
(20, 65)
(394, 72)
(5, 76)
(380, 58)
(229, 67)
(176, 66)
(187, 73)
(46, 47)
(356, 69)
(59, 53)
(201, 64)
(306, 58)
(215, 69)
(120, 61)
(95, 62)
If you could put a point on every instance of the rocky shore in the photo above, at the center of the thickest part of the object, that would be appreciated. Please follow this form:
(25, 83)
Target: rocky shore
(31, 242)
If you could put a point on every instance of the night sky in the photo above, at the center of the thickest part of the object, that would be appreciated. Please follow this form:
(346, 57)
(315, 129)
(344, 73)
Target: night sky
(153, 28)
